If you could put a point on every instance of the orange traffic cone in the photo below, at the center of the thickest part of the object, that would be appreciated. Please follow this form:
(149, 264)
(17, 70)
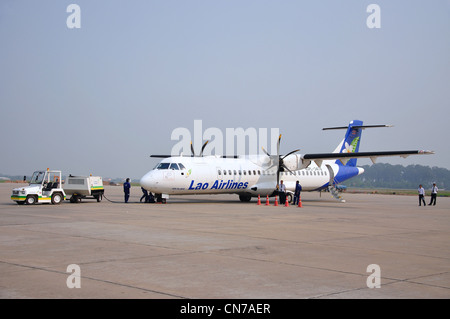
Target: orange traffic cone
(267, 200)
(259, 200)
(299, 201)
(276, 201)
(286, 202)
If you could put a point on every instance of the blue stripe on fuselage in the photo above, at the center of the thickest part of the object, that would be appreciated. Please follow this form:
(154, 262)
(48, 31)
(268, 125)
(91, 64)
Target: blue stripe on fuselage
(344, 173)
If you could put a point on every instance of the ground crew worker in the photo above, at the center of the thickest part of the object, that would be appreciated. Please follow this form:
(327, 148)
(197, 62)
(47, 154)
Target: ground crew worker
(126, 189)
(282, 193)
(151, 198)
(144, 196)
(434, 191)
(298, 189)
(421, 192)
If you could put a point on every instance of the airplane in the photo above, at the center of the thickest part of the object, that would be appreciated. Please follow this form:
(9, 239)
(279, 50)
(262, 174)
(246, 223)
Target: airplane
(259, 175)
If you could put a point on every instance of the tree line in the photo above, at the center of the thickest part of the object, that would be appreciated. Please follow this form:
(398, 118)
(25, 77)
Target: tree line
(401, 177)
(389, 176)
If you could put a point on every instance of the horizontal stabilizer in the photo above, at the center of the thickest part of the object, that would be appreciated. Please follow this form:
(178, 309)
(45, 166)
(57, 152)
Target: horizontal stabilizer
(372, 155)
(355, 126)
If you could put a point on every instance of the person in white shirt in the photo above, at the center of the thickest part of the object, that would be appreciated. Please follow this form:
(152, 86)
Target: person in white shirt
(434, 191)
(421, 191)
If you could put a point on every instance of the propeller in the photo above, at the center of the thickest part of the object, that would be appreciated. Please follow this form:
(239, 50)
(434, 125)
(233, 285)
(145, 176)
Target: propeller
(201, 152)
(281, 167)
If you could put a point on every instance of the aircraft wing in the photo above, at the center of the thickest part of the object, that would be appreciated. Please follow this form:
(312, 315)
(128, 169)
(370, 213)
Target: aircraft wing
(344, 157)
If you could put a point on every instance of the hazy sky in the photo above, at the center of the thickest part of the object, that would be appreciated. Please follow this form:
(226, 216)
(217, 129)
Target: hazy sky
(100, 99)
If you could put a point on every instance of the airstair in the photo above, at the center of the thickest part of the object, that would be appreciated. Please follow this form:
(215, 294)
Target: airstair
(335, 193)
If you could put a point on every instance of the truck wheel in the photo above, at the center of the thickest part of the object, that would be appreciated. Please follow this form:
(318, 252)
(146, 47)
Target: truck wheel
(75, 199)
(31, 200)
(57, 198)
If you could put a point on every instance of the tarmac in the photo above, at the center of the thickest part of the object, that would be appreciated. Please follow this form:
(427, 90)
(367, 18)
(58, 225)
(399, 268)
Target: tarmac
(215, 247)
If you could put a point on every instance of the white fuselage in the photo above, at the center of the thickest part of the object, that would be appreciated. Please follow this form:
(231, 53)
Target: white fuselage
(252, 175)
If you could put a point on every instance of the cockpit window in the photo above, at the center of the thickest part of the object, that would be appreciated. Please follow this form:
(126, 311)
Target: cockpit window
(181, 166)
(174, 166)
(163, 166)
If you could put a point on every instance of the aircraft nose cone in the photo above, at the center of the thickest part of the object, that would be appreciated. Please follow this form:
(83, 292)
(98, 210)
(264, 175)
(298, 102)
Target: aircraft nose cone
(147, 181)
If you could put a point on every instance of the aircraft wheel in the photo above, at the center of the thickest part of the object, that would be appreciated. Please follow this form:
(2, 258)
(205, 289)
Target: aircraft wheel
(290, 198)
(245, 198)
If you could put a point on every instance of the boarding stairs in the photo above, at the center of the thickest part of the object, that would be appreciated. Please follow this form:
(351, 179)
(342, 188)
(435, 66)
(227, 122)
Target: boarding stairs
(335, 193)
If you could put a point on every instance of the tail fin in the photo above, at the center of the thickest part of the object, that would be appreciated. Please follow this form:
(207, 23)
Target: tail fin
(352, 139)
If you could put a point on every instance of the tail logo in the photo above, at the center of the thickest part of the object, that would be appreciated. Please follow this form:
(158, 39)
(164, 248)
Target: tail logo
(351, 148)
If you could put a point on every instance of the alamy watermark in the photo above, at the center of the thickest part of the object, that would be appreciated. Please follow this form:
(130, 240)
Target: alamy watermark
(373, 21)
(234, 141)
(374, 279)
(73, 21)
(74, 280)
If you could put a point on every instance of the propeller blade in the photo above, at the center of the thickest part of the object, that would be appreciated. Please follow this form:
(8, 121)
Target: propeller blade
(285, 167)
(278, 145)
(278, 161)
(203, 147)
(278, 179)
(192, 150)
(290, 153)
(267, 153)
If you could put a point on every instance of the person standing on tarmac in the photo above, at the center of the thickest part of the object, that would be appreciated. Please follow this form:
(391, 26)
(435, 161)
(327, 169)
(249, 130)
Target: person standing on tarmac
(421, 192)
(126, 189)
(282, 193)
(434, 191)
(298, 189)
(144, 195)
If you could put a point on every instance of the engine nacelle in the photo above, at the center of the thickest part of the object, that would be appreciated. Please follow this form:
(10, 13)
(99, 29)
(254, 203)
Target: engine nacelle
(293, 162)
